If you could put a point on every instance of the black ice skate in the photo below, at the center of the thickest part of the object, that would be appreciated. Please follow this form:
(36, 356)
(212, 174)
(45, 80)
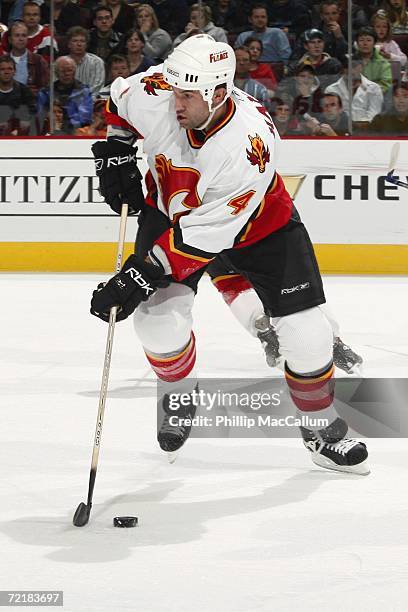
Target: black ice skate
(336, 453)
(175, 427)
(345, 358)
(269, 340)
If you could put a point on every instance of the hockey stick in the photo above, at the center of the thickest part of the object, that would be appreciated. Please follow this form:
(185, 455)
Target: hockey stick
(82, 513)
(391, 167)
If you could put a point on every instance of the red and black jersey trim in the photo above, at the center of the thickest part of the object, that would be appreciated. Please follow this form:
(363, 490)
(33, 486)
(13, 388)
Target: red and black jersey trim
(183, 258)
(197, 138)
(273, 212)
(112, 118)
(151, 189)
(186, 248)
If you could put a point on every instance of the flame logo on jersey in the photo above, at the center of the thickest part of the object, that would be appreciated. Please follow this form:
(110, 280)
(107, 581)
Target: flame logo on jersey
(259, 154)
(174, 179)
(153, 82)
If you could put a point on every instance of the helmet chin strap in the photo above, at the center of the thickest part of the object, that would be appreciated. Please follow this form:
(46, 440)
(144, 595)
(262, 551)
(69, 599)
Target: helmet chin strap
(211, 115)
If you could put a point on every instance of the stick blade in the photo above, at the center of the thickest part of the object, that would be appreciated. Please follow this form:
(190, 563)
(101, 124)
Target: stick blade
(82, 514)
(394, 157)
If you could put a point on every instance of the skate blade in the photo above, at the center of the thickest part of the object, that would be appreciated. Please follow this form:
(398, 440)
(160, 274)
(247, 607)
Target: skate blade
(172, 456)
(360, 469)
(356, 370)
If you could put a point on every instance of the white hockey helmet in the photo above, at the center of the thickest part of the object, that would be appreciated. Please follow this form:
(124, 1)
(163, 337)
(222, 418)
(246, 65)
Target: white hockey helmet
(200, 63)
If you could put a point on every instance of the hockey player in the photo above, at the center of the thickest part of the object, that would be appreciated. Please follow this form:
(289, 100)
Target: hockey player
(210, 150)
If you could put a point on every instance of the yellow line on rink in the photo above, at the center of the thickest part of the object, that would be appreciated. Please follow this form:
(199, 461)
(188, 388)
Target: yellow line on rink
(60, 256)
(362, 258)
(101, 257)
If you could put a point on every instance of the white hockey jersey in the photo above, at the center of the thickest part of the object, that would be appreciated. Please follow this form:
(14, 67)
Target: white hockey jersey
(219, 188)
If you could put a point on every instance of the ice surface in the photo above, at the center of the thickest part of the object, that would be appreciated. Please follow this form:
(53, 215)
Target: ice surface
(234, 525)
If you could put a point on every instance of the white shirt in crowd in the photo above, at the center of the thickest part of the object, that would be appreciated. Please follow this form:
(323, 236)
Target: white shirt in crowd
(367, 100)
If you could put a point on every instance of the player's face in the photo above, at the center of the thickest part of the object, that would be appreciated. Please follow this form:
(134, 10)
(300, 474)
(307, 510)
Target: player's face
(31, 16)
(191, 110)
(396, 3)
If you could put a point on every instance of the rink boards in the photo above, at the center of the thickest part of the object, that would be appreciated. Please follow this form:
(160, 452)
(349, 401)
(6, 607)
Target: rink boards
(53, 219)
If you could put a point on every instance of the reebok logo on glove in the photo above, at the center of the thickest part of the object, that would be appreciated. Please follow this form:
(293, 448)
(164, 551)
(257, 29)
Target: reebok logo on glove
(118, 160)
(139, 280)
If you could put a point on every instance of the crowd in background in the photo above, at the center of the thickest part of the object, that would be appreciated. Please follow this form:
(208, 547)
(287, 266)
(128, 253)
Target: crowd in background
(292, 55)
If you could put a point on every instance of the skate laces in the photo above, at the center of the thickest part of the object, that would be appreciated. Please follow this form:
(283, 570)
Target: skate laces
(343, 446)
(175, 430)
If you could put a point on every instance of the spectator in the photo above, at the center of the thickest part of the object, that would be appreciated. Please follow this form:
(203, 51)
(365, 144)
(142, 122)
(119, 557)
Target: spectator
(116, 66)
(31, 69)
(243, 80)
(123, 15)
(376, 67)
(293, 15)
(276, 46)
(60, 125)
(171, 14)
(360, 14)
(333, 120)
(387, 47)
(3, 29)
(326, 67)
(132, 46)
(397, 13)
(17, 104)
(200, 21)
(285, 122)
(157, 41)
(304, 88)
(367, 97)
(103, 39)
(71, 94)
(90, 69)
(229, 15)
(67, 14)
(98, 125)
(335, 42)
(39, 36)
(258, 71)
(395, 122)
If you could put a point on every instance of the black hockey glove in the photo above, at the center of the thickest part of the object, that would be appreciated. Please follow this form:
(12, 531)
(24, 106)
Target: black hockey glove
(135, 283)
(119, 177)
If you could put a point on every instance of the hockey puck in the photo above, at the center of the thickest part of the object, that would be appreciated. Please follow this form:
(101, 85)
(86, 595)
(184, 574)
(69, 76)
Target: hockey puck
(125, 521)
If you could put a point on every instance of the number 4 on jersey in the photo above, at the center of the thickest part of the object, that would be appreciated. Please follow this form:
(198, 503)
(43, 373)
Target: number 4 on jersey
(240, 202)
